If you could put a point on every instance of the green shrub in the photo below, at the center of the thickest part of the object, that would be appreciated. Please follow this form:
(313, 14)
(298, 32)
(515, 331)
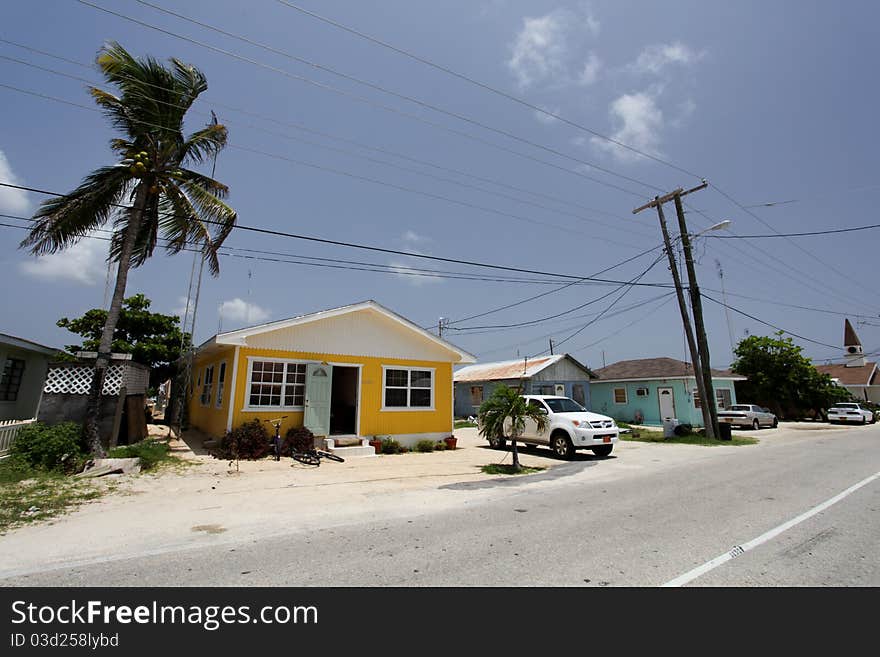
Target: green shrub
(298, 439)
(439, 446)
(58, 448)
(391, 446)
(425, 446)
(150, 451)
(248, 442)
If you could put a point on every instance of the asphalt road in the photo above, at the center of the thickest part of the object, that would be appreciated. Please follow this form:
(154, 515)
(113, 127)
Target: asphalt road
(592, 522)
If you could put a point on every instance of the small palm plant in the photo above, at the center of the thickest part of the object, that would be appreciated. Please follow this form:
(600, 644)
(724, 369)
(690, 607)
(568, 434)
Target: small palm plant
(505, 414)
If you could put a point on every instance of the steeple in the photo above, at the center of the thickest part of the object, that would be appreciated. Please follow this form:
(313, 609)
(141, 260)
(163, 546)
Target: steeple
(852, 346)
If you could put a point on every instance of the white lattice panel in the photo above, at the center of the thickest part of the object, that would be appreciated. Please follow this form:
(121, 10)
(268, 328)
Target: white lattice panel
(77, 380)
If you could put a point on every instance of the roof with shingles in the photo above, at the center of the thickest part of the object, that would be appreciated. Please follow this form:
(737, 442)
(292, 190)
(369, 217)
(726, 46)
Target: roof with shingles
(655, 368)
(863, 375)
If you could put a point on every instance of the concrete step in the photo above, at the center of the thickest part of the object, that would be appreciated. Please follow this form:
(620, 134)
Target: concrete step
(360, 451)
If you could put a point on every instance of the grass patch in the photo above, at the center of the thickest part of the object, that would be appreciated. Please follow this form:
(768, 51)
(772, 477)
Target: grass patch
(152, 453)
(648, 436)
(506, 469)
(28, 495)
(463, 424)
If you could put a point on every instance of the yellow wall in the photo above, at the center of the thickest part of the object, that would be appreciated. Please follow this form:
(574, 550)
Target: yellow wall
(373, 421)
(210, 418)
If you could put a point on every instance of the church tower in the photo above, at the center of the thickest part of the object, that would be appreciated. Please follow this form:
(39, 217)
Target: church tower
(852, 346)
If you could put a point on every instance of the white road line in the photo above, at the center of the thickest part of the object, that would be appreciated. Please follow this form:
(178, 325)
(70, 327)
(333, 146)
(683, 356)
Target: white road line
(737, 550)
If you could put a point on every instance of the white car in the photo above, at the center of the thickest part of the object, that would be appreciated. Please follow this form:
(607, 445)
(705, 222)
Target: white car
(570, 427)
(850, 412)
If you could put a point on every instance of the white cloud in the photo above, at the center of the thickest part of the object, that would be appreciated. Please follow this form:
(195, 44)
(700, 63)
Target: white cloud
(544, 48)
(12, 201)
(654, 59)
(546, 118)
(239, 310)
(84, 263)
(405, 271)
(638, 121)
(412, 237)
(590, 72)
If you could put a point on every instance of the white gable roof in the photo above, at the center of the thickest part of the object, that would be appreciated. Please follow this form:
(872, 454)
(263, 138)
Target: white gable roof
(360, 329)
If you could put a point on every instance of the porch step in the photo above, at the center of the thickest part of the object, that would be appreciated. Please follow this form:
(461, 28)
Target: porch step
(360, 451)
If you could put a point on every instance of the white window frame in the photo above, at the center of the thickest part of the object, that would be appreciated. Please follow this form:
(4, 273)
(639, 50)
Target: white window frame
(625, 396)
(482, 395)
(207, 386)
(698, 401)
(409, 369)
(221, 383)
(643, 392)
(271, 409)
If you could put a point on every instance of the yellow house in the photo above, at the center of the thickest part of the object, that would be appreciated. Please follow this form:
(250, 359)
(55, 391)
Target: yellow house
(355, 371)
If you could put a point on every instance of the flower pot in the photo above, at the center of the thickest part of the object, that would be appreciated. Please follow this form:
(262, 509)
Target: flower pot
(377, 445)
(450, 442)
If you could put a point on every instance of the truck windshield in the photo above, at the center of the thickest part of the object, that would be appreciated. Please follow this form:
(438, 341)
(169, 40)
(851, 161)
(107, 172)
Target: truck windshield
(564, 405)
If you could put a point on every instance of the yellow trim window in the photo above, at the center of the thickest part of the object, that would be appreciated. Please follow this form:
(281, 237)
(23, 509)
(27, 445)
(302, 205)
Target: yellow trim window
(407, 388)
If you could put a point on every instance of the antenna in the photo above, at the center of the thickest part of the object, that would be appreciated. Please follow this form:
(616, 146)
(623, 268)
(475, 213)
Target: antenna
(726, 309)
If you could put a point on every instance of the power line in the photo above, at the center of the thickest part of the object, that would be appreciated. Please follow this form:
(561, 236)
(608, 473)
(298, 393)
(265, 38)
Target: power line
(484, 86)
(374, 103)
(804, 234)
(303, 128)
(411, 254)
(773, 204)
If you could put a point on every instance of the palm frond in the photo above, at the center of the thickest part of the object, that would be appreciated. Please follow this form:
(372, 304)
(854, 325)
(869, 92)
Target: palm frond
(61, 221)
(204, 143)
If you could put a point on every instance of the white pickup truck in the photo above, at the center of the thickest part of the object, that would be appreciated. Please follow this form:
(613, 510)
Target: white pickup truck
(570, 427)
(851, 412)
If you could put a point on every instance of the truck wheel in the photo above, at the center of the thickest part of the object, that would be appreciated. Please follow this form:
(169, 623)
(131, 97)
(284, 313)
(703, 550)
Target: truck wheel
(756, 425)
(864, 420)
(775, 423)
(604, 450)
(496, 442)
(561, 444)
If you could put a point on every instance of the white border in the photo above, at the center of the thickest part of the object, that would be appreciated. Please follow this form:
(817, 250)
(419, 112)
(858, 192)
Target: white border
(410, 409)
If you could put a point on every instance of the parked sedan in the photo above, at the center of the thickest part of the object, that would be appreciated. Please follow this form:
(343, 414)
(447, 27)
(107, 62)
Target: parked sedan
(850, 412)
(748, 416)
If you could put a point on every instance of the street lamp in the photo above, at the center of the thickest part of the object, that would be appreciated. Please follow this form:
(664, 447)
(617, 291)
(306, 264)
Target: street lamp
(721, 225)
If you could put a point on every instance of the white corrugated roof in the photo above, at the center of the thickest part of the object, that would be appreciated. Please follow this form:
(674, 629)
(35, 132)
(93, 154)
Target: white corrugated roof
(507, 369)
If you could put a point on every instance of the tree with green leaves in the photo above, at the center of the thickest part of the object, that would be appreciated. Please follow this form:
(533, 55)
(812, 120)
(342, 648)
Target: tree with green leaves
(148, 193)
(781, 378)
(152, 339)
(504, 415)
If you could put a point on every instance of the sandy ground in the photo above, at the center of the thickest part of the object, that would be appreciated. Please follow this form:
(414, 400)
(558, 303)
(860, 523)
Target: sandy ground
(209, 502)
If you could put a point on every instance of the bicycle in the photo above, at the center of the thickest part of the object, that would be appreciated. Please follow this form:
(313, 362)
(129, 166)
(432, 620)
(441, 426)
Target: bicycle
(276, 439)
(314, 456)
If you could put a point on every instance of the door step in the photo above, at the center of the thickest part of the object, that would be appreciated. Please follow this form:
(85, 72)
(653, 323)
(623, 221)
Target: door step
(350, 447)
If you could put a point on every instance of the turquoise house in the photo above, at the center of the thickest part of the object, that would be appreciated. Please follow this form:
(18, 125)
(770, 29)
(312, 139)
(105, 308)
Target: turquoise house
(647, 390)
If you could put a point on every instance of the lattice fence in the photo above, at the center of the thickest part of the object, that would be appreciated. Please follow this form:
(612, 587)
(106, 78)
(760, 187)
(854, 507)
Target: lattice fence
(77, 379)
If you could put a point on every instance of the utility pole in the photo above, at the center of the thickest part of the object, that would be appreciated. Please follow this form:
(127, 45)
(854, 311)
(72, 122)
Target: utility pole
(551, 346)
(693, 344)
(443, 321)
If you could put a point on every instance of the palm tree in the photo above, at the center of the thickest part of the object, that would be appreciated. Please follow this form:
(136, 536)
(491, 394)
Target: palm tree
(148, 193)
(505, 414)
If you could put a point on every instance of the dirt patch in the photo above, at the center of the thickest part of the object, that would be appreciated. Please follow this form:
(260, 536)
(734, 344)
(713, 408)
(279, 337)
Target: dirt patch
(209, 529)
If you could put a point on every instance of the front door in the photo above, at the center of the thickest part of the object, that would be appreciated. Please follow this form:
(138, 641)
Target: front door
(667, 403)
(319, 384)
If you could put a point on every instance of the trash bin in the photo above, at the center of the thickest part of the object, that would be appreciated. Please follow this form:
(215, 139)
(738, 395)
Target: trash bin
(669, 424)
(724, 431)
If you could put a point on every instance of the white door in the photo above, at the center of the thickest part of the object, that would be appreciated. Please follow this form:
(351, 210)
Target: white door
(319, 384)
(667, 403)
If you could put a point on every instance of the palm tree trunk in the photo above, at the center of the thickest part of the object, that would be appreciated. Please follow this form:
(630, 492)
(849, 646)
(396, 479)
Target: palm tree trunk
(516, 465)
(93, 408)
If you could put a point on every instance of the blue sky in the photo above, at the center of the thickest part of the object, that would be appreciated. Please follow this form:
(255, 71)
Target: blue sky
(769, 102)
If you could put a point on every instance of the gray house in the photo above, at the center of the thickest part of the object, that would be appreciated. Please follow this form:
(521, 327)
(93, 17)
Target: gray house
(550, 375)
(24, 366)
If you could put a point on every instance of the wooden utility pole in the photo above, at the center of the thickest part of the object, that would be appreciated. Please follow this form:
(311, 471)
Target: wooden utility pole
(551, 346)
(702, 370)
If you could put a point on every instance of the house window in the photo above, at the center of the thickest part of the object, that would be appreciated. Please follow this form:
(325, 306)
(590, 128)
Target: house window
(221, 380)
(408, 388)
(698, 403)
(620, 396)
(545, 390)
(208, 387)
(722, 397)
(641, 392)
(10, 380)
(277, 384)
(476, 395)
(577, 393)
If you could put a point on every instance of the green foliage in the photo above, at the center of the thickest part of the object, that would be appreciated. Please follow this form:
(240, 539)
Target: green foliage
(298, 439)
(152, 339)
(151, 452)
(391, 446)
(425, 446)
(440, 446)
(248, 441)
(504, 469)
(782, 379)
(58, 448)
(505, 413)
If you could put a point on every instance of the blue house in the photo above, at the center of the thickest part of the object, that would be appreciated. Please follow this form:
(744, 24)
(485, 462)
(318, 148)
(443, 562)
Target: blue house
(550, 375)
(648, 390)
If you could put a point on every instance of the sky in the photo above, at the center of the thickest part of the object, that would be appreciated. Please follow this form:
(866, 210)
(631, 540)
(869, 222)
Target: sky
(336, 136)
